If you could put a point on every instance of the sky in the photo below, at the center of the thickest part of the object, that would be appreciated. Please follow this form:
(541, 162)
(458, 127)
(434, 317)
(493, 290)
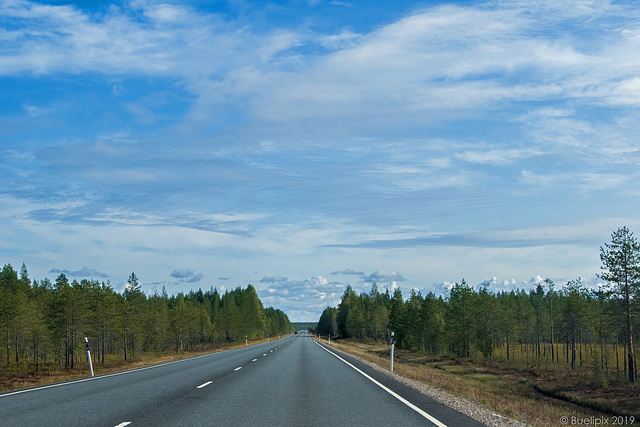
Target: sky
(303, 146)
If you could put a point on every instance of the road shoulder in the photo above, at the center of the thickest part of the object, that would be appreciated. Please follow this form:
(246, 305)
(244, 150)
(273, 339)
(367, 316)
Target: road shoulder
(418, 391)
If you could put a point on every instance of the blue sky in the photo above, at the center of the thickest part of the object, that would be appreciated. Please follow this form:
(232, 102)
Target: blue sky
(301, 146)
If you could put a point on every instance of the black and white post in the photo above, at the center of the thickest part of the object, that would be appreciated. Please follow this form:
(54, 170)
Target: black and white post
(86, 341)
(392, 344)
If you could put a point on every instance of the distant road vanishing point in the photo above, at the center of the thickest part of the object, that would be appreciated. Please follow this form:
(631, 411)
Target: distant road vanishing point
(294, 381)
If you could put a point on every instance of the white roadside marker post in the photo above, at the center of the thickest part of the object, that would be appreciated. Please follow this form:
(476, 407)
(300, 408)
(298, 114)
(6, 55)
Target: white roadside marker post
(246, 342)
(86, 341)
(392, 344)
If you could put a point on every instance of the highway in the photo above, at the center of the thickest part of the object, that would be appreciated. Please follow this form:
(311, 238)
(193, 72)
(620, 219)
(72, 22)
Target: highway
(290, 382)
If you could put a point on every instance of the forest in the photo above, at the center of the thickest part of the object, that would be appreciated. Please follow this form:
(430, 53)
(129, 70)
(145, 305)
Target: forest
(570, 325)
(43, 324)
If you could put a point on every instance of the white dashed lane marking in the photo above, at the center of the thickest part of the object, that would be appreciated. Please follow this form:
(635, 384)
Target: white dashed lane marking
(205, 384)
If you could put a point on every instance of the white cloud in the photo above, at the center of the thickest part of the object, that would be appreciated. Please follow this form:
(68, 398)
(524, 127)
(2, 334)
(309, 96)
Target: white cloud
(443, 288)
(341, 3)
(584, 182)
(302, 300)
(343, 40)
(164, 12)
(83, 272)
(625, 92)
(273, 279)
(393, 140)
(384, 276)
(349, 271)
(419, 177)
(187, 276)
(497, 156)
(407, 68)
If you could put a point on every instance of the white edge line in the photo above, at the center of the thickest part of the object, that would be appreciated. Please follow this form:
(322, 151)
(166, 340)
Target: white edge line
(144, 368)
(205, 384)
(128, 371)
(238, 368)
(126, 423)
(254, 360)
(391, 392)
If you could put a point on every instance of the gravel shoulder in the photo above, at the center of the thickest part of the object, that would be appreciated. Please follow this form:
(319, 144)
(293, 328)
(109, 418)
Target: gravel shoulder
(473, 410)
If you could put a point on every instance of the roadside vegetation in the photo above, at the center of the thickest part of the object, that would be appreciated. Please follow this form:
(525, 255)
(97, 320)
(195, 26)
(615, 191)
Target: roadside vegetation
(43, 326)
(549, 350)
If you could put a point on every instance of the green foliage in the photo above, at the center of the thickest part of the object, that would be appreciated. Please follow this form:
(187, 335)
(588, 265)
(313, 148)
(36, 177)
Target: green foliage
(621, 270)
(43, 325)
(460, 318)
(575, 327)
(328, 324)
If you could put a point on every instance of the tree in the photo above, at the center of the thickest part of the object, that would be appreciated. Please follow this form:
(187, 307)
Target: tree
(252, 313)
(433, 311)
(413, 322)
(380, 315)
(347, 304)
(550, 295)
(621, 270)
(229, 317)
(327, 325)
(63, 314)
(133, 289)
(459, 318)
(485, 309)
(507, 315)
(13, 311)
(43, 322)
(131, 311)
(574, 309)
(397, 316)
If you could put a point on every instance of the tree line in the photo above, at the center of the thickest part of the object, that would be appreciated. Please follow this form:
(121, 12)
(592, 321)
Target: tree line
(43, 324)
(572, 325)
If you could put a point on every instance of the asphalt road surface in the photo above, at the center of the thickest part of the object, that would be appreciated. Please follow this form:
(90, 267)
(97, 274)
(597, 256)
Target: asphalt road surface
(290, 382)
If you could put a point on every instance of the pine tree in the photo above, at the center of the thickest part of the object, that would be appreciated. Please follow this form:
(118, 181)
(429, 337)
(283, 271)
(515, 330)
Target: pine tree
(133, 297)
(397, 316)
(347, 304)
(328, 325)
(460, 317)
(550, 296)
(621, 270)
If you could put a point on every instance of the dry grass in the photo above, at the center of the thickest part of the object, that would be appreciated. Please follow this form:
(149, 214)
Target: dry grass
(538, 397)
(112, 364)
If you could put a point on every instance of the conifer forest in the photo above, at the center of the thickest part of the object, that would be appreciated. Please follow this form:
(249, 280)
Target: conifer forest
(43, 324)
(552, 324)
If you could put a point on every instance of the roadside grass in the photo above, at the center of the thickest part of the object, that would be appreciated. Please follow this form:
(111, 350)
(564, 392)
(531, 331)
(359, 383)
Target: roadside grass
(52, 375)
(538, 397)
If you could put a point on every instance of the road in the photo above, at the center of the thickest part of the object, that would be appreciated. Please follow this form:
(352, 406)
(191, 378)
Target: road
(290, 382)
